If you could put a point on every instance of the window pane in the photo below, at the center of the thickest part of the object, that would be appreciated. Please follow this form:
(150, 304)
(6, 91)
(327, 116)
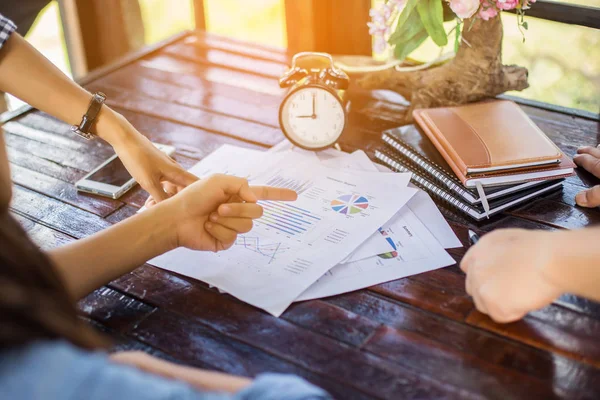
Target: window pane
(46, 35)
(164, 18)
(258, 21)
(563, 61)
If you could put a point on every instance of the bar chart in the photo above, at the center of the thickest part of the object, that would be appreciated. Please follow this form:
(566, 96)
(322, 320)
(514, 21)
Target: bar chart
(298, 185)
(287, 218)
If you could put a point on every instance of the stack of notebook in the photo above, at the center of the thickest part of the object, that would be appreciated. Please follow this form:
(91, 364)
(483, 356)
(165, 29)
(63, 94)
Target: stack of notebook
(481, 158)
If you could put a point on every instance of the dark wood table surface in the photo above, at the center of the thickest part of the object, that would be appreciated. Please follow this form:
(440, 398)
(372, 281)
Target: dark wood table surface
(417, 337)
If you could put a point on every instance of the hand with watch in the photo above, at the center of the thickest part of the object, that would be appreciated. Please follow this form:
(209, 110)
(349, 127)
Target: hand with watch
(28, 75)
(156, 172)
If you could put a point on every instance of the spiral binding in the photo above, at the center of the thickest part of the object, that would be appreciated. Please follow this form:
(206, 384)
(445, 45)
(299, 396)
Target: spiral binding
(425, 184)
(426, 165)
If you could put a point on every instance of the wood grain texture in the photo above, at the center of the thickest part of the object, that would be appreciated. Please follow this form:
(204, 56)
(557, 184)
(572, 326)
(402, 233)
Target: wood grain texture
(113, 309)
(241, 322)
(62, 191)
(486, 348)
(56, 214)
(417, 337)
(198, 345)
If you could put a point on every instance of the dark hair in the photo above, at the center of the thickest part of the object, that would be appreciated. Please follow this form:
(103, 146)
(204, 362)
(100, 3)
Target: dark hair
(34, 303)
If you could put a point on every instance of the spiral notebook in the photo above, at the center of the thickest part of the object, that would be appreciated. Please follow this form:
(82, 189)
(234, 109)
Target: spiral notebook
(392, 159)
(417, 150)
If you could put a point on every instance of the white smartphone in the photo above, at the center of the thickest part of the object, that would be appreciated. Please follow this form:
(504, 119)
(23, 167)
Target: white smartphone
(111, 178)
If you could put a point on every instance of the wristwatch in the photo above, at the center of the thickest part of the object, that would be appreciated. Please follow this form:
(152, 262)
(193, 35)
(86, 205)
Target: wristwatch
(84, 128)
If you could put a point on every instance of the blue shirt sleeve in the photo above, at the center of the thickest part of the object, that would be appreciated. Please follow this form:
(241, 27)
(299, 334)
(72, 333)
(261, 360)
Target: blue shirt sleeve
(58, 370)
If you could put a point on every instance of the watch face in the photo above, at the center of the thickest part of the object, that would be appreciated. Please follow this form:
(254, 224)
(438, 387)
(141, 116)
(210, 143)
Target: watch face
(312, 117)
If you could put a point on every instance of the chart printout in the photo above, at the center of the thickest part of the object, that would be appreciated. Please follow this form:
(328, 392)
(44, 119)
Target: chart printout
(294, 243)
(415, 251)
(414, 248)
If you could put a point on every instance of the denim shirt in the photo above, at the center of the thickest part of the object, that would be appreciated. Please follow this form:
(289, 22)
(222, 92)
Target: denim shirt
(52, 370)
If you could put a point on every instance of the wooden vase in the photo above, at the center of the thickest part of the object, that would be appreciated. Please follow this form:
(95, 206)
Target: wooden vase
(475, 73)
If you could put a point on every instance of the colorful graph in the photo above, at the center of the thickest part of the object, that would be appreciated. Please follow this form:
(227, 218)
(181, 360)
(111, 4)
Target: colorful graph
(391, 254)
(286, 218)
(350, 204)
(267, 249)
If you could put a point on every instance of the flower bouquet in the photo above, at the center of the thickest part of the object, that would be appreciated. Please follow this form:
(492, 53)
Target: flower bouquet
(472, 72)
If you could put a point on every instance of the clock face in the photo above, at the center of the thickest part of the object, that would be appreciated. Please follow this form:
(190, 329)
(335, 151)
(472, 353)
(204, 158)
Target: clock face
(312, 117)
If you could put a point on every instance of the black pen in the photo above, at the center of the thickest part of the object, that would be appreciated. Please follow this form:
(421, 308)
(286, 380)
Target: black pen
(473, 237)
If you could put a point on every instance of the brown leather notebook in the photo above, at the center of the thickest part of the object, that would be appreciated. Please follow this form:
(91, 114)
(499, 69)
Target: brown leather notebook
(492, 143)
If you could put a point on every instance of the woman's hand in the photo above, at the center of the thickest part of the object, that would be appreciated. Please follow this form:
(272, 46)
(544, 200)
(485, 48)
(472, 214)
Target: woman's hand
(210, 213)
(137, 359)
(589, 159)
(156, 172)
(505, 273)
(202, 379)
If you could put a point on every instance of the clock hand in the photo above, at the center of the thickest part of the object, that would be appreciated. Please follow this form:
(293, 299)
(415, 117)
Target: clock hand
(314, 114)
(304, 116)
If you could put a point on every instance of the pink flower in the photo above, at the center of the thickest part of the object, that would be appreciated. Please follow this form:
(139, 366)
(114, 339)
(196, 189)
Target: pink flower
(526, 3)
(488, 10)
(507, 4)
(465, 8)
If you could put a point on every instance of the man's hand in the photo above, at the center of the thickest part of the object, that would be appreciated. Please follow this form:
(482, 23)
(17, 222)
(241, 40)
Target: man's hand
(504, 273)
(589, 159)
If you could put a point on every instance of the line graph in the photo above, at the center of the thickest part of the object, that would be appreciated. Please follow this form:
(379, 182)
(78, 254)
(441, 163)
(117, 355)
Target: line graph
(256, 244)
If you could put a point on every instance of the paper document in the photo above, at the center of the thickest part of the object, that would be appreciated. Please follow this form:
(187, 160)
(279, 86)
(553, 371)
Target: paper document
(425, 209)
(416, 251)
(294, 243)
(421, 204)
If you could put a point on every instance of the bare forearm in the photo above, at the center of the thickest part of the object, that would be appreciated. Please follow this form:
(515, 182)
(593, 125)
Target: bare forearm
(89, 263)
(28, 75)
(576, 262)
(202, 379)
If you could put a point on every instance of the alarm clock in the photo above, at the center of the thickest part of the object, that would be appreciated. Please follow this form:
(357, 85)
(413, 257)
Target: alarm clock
(313, 114)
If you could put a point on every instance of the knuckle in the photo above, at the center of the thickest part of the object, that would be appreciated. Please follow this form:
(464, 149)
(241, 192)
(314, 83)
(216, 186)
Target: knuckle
(592, 196)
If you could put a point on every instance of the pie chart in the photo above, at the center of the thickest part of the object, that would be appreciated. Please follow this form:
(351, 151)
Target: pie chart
(349, 204)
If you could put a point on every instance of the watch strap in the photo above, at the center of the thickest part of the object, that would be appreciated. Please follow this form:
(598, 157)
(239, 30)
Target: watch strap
(84, 129)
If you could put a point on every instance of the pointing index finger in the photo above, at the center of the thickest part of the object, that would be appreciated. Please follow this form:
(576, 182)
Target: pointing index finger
(274, 193)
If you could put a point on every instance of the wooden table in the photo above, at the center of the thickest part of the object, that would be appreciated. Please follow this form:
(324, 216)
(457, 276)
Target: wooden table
(414, 337)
